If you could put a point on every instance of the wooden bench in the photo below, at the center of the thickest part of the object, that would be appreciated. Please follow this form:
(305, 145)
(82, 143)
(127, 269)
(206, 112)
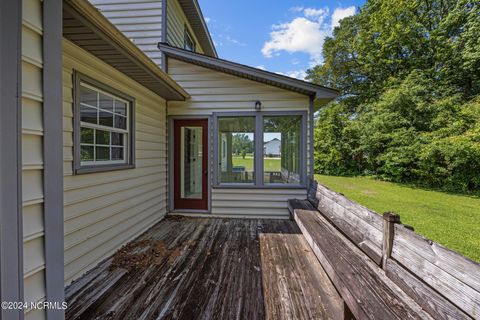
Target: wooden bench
(382, 269)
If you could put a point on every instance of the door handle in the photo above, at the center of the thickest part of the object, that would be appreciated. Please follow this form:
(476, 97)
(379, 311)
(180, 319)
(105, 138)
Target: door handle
(205, 172)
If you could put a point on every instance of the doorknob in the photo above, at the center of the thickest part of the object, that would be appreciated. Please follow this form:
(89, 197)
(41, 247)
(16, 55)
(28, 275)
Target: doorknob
(205, 172)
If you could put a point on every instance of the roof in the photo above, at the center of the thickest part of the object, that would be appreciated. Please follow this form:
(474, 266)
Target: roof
(319, 93)
(274, 139)
(194, 15)
(85, 26)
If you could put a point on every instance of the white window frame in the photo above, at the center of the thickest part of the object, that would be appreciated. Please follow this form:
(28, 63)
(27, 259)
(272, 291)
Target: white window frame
(188, 36)
(127, 162)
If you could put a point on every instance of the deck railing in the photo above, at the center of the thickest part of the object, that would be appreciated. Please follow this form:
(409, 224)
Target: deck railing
(442, 282)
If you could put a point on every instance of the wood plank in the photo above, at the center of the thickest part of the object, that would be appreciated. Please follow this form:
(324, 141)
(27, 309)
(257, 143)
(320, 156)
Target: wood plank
(295, 286)
(360, 225)
(451, 274)
(186, 268)
(434, 303)
(362, 284)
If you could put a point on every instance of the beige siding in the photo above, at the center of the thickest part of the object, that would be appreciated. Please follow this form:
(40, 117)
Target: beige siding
(212, 91)
(105, 210)
(176, 22)
(241, 203)
(139, 20)
(32, 156)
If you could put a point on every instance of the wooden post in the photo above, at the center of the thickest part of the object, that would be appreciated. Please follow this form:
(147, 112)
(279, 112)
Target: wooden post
(389, 221)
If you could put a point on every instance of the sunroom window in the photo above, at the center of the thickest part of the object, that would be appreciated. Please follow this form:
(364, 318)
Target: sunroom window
(261, 150)
(236, 136)
(281, 149)
(104, 127)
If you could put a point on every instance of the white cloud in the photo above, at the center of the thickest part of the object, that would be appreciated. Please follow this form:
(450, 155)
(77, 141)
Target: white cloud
(261, 67)
(207, 20)
(299, 35)
(235, 41)
(312, 12)
(298, 74)
(305, 34)
(341, 13)
(296, 9)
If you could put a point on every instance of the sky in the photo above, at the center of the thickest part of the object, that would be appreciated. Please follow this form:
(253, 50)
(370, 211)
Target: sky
(281, 36)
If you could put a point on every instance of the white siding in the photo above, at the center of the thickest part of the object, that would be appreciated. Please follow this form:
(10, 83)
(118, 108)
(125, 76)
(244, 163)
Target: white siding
(139, 20)
(105, 210)
(32, 156)
(176, 22)
(212, 91)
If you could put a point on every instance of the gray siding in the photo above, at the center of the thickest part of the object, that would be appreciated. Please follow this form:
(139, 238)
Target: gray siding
(105, 210)
(139, 20)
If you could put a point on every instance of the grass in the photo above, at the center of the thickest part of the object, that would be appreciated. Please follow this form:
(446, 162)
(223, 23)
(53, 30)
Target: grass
(270, 164)
(449, 219)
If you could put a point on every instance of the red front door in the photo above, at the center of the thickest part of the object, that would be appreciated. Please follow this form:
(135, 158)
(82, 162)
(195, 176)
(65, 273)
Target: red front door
(191, 164)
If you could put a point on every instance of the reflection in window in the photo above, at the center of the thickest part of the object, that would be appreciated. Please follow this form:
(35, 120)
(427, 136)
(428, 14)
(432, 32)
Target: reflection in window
(236, 149)
(103, 127)
(188, 44)
(281, 149)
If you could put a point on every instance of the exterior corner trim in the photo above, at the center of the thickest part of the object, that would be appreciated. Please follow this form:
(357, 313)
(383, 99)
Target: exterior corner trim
(11, 226)
(53, 155)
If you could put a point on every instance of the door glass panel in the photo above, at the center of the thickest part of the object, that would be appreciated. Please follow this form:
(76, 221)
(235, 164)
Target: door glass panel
(191, 159)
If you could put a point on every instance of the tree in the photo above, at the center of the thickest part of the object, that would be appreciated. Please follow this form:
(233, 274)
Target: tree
(408, 71)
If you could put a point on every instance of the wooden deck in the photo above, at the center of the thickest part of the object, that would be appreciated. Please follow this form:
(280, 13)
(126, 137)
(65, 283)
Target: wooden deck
(189, 268)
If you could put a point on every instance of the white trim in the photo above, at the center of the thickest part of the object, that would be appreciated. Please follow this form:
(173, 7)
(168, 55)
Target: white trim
(96, 126)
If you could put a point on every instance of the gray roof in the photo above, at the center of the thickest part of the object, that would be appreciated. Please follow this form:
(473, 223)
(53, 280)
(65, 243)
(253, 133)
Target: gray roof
(319, 93)
(194, 15)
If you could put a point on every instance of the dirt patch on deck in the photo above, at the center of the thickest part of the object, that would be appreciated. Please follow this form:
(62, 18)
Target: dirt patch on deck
(145, 253)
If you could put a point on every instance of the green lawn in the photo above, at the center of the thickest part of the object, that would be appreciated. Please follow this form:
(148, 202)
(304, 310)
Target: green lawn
(271, 164)
(450, 219)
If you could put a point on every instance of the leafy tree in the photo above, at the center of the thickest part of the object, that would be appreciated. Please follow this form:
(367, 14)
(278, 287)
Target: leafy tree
(241, 144)
(409, 74)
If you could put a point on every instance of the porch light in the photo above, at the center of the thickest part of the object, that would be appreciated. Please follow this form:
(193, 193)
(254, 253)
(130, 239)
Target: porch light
(258, 105)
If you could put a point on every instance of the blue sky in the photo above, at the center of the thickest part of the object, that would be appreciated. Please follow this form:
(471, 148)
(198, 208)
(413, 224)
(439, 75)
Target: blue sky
(280, 36)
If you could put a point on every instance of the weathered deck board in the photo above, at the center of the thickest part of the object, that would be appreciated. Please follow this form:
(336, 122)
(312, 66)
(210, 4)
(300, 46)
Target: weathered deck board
(185, 268)
(365, 288)
(292, 277)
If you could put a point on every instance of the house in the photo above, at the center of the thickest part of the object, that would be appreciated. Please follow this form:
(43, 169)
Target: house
(272, 148)
(113, 119)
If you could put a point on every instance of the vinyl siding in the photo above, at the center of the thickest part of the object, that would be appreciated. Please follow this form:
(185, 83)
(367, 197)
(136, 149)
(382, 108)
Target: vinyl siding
(32, 156)
(139, 20)
(176, 22)
(212, 91)
(105, 210)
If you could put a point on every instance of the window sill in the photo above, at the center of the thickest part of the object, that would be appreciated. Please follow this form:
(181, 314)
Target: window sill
(103, 168)
(272, 186)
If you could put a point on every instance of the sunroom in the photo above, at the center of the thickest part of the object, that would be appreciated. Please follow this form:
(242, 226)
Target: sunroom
(242, 144)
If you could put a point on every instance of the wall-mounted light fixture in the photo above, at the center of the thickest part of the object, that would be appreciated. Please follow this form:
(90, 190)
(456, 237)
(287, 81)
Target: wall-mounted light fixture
(258, 105)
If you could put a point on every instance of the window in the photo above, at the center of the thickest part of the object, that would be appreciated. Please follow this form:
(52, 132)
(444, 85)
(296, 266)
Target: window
(261, 149)
(281, 149)
(188, 44)
(237, 147)
(104, 127)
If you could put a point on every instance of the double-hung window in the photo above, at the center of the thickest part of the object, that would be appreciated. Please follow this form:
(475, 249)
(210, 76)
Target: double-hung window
(188, 43)
(103, 127)
(262, 149)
